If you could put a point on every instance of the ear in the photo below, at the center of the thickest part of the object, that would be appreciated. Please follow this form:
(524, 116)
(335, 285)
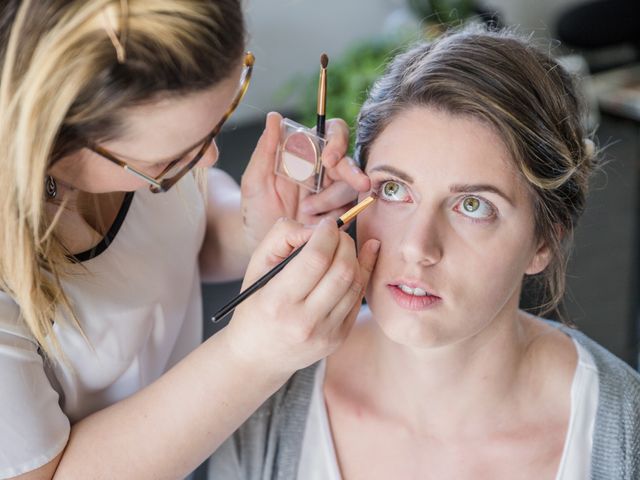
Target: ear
(543, 254)
(540, 260)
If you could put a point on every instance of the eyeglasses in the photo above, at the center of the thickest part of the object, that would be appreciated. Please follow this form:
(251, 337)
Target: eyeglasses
(174, 171)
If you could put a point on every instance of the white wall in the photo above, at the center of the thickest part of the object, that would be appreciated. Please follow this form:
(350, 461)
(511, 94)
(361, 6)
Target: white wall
(288, 36)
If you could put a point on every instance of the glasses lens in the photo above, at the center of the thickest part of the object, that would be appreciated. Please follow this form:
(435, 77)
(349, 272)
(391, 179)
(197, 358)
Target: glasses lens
(178, 169)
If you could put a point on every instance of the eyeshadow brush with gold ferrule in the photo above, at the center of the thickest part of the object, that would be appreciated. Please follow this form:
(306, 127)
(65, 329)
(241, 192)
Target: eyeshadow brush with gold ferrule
(322, 96)
(322, 109)
(262, 281)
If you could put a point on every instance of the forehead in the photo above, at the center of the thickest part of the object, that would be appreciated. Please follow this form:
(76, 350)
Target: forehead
(169, 124)
(433, 145)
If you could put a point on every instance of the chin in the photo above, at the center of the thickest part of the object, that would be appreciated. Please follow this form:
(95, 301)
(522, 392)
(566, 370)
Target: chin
(410, 329)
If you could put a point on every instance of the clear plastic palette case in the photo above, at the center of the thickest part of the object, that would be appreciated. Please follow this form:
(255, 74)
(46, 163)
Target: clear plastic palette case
(299, 155)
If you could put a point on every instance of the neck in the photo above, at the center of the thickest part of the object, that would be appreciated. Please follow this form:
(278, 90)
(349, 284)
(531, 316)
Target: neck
(82, 218)
(470, 386)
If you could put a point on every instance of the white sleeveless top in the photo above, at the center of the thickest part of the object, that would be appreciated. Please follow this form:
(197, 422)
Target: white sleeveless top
(137, 296)
(318, 459)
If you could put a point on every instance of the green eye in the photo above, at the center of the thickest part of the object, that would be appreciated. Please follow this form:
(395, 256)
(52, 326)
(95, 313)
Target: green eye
(391, 188)
(470, 204)
(392, 191)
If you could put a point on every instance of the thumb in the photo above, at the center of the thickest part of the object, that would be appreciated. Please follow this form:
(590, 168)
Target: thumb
(283, 238)
(367, 258)
(262, 163)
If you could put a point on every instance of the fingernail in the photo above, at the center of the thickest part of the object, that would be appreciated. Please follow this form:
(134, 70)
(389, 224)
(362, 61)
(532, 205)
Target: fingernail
(376, 246)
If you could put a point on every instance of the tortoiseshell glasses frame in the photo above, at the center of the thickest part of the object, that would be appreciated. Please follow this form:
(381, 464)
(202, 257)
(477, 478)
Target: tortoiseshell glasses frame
(158, 183)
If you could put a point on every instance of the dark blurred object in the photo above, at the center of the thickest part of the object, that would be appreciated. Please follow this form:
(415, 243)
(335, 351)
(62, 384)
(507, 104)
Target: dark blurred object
(491, 18)
(607, 25)
(454, 12)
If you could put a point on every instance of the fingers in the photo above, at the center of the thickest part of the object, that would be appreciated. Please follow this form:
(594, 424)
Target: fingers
(334, 157)
(262, 163)
(305, 271)
(367, 259)
(347, 170)
(336, 196)
(341, 280)
(349, 308)
(337, 142)
(283, 238)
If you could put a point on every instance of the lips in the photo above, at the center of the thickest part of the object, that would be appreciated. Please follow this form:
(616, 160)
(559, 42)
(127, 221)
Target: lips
(413, 295)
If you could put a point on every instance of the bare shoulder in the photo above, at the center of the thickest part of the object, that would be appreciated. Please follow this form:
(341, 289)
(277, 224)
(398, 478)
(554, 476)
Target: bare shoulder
(221, 187)
(45, 472)
(551, 353)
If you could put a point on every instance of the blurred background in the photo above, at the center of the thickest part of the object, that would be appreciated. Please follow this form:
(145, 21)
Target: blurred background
(599, 41)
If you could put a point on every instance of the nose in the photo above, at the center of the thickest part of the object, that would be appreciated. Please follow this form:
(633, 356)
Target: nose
(210, 156)
(422, 241)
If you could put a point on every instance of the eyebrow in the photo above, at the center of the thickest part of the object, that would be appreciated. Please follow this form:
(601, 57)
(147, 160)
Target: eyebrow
(393, 171)
(482, 187)
(456, 188)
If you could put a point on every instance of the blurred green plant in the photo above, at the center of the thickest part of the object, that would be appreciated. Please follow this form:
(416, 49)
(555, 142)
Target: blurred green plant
(442, 12)
(350, 76)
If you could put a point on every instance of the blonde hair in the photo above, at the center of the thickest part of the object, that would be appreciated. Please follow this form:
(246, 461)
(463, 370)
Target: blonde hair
(62, 83)
(530, 101)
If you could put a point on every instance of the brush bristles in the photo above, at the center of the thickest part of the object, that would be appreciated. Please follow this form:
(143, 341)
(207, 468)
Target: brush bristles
(324, 60)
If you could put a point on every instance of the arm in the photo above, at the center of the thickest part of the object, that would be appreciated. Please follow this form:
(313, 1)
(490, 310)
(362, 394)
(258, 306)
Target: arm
(224, 254)
(170, 427)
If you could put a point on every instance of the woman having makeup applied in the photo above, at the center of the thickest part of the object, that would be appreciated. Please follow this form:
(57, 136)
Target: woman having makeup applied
(475, 148)
(108, 115)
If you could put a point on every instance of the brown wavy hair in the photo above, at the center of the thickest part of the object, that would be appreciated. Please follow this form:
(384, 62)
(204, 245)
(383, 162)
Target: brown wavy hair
(504, 81)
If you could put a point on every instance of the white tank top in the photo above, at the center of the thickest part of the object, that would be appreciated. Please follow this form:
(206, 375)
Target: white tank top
(318, 459)
(137, 296)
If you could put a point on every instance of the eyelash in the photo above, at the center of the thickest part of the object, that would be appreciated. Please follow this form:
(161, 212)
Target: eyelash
(492, 209)
(379, 185)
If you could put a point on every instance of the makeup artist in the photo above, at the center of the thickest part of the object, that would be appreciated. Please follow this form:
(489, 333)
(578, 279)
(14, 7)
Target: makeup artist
(110, 218)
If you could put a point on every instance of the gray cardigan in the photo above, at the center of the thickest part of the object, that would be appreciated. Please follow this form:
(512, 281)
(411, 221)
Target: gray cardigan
(268, 445)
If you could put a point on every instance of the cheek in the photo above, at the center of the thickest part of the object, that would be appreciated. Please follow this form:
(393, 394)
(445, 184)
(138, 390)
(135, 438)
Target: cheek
(94, 175)
(382, 221)
(503, 241)
(378, 222)
(491, 269)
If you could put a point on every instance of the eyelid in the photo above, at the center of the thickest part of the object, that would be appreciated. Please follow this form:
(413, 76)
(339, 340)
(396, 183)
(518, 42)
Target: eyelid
(377, 185)
(494, 210)
(377, 182)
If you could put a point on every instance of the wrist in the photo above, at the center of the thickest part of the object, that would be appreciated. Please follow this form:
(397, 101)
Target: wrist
(248, 362)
